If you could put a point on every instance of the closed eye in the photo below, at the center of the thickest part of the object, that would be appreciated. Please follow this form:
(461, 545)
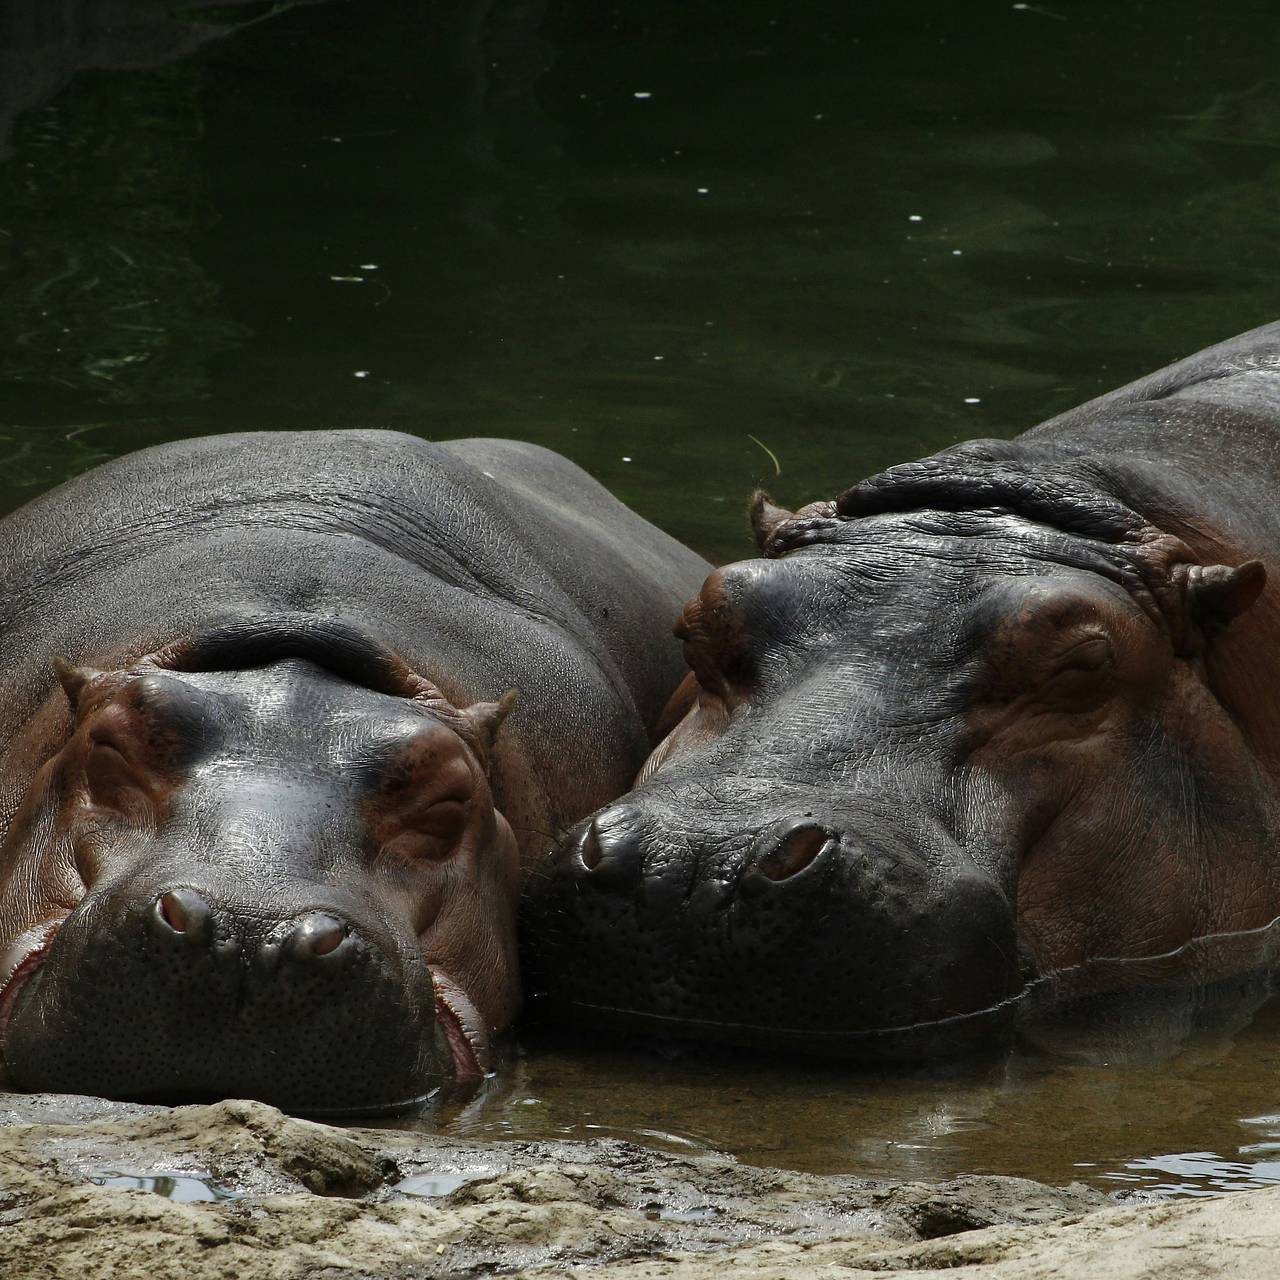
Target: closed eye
(428, 833)
(698, 652)
(444, 819)
(1090, 654)
(106, 766)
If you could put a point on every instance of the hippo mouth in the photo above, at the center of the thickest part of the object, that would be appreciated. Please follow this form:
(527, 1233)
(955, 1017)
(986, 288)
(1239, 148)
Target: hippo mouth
(463, 1030)
(459, 1022)
(19, 964)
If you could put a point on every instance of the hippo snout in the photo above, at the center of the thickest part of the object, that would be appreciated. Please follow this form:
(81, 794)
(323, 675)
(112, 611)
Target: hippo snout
(818, 931)
(184, 993)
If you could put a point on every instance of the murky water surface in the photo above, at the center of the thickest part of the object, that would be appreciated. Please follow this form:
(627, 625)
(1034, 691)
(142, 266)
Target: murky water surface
(697, 248)
(1167, 1097)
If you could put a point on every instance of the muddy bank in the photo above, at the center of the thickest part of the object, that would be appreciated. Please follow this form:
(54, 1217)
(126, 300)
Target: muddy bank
(256, 1195)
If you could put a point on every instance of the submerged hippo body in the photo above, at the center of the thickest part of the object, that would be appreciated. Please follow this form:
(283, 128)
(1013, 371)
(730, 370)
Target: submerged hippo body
(1006, 712)
(261, 833)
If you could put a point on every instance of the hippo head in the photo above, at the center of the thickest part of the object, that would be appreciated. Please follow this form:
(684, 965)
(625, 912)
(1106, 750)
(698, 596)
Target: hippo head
(272, 871)
(964, 726)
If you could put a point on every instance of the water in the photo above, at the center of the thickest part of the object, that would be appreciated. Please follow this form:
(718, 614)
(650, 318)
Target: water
(441, 1183)
(855, 232)
(185, 1188)
(1169, 1109)
(697, 249)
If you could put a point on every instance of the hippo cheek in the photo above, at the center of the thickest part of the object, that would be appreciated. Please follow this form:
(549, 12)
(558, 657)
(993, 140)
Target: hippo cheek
(175, 994)
(813, 939)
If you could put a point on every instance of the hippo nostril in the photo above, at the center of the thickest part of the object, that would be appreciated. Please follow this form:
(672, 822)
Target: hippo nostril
(589, 847)
(799, 848)
(185, 913)
(316, 936)
(795, 853)
(171, 912)
(609, 856)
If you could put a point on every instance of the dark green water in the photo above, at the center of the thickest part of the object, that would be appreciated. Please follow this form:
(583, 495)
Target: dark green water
(674, 241)
(639, 234)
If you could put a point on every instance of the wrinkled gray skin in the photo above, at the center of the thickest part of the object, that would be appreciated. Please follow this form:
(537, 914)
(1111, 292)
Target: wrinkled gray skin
(992, 715)
(274, 797)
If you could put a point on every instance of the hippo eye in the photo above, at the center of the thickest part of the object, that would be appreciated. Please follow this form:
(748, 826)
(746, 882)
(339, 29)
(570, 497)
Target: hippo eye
(704, 670)
(443, 820)
(433, 835)
(697, 654)
(108, 772)
(105, 766)
(1091, 654)
(422, 815)
(703, 653)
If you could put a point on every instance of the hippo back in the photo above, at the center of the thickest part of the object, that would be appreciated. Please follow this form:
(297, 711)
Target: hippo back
(1194, 446)
(485, 564)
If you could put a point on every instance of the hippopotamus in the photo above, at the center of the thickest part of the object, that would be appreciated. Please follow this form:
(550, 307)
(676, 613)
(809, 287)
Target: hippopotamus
(284, 717)
(1006, 712)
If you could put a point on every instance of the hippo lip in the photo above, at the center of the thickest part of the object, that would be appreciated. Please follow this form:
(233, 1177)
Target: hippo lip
(19, 963)
(463, 1027)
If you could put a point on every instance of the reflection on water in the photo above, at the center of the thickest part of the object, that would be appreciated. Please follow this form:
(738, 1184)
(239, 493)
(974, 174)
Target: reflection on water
(1185, 1112)
(1199, 1173)
(115, 307)
(1161, 1085)
(432, 1185)
(185, 1188)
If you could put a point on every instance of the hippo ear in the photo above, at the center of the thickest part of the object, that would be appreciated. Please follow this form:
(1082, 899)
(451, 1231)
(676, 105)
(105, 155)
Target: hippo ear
(486, 718)
(74, 680)
(1217, 593)
(765, 517)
